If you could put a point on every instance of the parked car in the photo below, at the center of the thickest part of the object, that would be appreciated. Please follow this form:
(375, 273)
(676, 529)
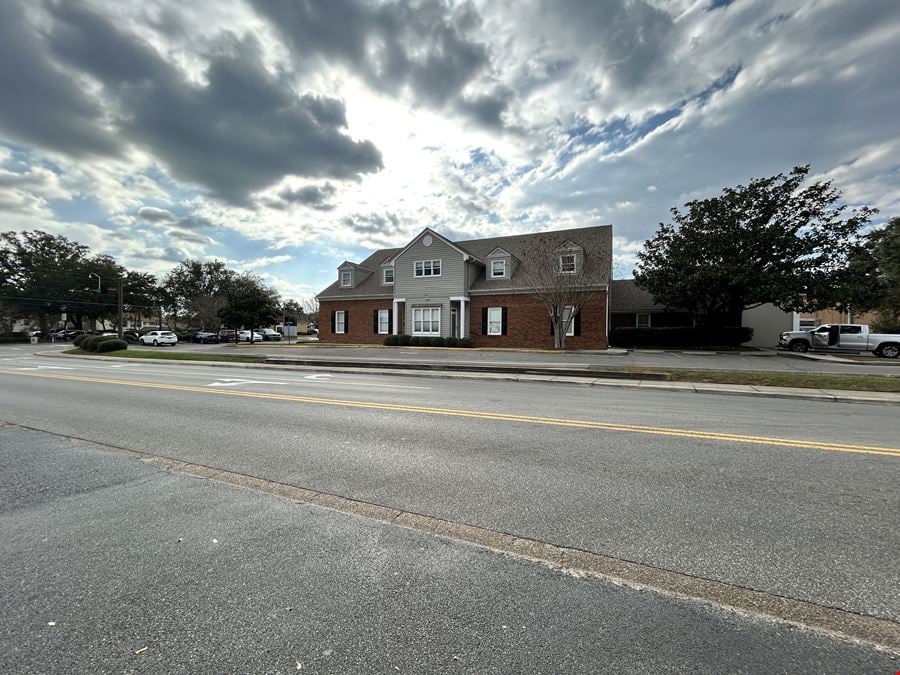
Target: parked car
(269, 335)
(159, 337)
(205, 337)
(845, 337)
(249, 336)
(227, 335)
(65, 334)
(34, 333)
(312, 329)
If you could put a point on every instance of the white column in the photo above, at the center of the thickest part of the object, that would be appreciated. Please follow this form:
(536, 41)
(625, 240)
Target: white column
(396, 322)
(463, 321)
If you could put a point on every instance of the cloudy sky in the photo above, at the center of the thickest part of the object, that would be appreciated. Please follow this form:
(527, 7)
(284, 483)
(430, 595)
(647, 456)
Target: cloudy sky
(285, 136)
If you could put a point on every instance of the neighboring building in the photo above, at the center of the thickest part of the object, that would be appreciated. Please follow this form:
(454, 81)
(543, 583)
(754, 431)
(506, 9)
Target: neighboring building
(475, 288)
(633, 307)
(630, 306)
(809, 320)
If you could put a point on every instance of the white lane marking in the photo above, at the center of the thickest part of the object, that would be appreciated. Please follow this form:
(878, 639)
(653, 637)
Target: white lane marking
(226, 382)
(318, 376)
(45, 368)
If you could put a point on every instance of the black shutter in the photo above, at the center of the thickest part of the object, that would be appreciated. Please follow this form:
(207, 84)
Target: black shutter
(503, 320)
(484, 330)
(346, 320)
(390, 321)
(333, 322)
(375, 321)
(578, 323)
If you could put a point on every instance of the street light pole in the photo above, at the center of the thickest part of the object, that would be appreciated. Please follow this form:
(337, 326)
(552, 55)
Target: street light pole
(94, 274)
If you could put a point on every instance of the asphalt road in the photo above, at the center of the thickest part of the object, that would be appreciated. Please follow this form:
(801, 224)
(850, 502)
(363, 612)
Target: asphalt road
(788, 515)
(113, 565)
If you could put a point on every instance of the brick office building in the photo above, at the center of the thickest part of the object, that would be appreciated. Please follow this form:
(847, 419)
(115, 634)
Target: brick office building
(480, 288)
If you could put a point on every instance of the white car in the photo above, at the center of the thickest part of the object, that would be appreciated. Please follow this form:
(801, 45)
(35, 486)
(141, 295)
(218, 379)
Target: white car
(159, 337)
(249, 335)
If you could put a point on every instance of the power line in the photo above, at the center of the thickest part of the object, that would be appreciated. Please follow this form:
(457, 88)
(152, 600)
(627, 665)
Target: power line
(72, 302)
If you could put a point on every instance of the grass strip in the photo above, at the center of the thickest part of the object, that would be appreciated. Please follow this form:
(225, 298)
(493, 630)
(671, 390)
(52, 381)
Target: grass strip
(803, 380)
(172, 356)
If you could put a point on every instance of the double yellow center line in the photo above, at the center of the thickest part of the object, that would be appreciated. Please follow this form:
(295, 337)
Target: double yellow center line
(500, 417)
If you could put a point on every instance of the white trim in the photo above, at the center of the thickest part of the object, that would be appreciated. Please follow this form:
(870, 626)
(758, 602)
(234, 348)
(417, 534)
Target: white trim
(384, 275)
(349, 278)
(498, 322)
(570, 329)
(387, 326)
(637, 319)
(574, 257)
(440, 266)
(466, 256)
(430, 320)
(343, 322)
(458, 298)
(502, 274)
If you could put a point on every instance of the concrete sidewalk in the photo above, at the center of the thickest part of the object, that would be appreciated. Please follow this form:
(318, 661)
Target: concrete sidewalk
(572, 375)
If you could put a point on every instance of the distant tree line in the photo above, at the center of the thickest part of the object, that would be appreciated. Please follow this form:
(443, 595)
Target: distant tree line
(44, 275)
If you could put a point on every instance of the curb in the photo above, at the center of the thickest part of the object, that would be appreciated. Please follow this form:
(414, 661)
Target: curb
(821, 395)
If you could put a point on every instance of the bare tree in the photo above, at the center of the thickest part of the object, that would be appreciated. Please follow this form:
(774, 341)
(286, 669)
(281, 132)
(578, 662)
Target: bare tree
(563, 278)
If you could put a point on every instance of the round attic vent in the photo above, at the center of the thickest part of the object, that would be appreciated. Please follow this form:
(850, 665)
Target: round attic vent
(427, 240)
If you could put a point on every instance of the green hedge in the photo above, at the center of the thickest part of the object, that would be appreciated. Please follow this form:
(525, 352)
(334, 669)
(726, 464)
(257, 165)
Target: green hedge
(423, 341)
(113, 345)
(680, 338)
(81, 338)
(91, 343)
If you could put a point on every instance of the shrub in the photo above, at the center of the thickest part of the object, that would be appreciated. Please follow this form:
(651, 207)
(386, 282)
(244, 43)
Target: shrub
(465, 342)
(403, 340)
(77, 342)
(8, 338)
(92, 342)
(113, 345)
(390, 340)
(436, 342)
(680, 338)
(886, 322)
(415, 341)
(451, 342)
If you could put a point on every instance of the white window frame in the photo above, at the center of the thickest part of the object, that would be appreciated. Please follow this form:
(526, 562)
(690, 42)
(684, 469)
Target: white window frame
(384, 320)
(502, 264)
(567, 312)
(349, 277)
(340, 322)
(495, 325)
(384, 275)
(563, 264)
(425, 268)
(637, 320)
(420, 322)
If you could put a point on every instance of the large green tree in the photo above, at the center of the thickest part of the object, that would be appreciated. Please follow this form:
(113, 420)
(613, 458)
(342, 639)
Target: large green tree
(774, 240)
(249, 303)
(41, 274)
(195, 291)
(874, 284)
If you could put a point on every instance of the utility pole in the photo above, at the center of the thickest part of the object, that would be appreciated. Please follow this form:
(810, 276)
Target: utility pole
(121, 293)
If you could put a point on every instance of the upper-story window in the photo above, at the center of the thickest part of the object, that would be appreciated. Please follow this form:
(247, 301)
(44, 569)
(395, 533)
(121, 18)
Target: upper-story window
(345, 279)
(498, 268)
(567, 263)
(427, 268)
(388, 275)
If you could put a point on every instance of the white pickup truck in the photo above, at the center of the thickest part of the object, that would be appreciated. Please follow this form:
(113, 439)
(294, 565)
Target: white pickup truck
(848, 337)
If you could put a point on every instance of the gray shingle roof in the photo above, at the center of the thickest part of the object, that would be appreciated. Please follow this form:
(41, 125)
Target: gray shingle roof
(596, 242)
(371, 285)
(624, 296)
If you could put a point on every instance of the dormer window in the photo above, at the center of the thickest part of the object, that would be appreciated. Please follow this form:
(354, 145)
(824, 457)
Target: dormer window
(388, 275)
(346, 279)
(498, 269)
(427, 268)
(567, 263)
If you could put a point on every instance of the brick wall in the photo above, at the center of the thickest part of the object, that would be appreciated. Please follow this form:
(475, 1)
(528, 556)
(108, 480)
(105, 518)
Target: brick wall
(359, 325)
(528, 324)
